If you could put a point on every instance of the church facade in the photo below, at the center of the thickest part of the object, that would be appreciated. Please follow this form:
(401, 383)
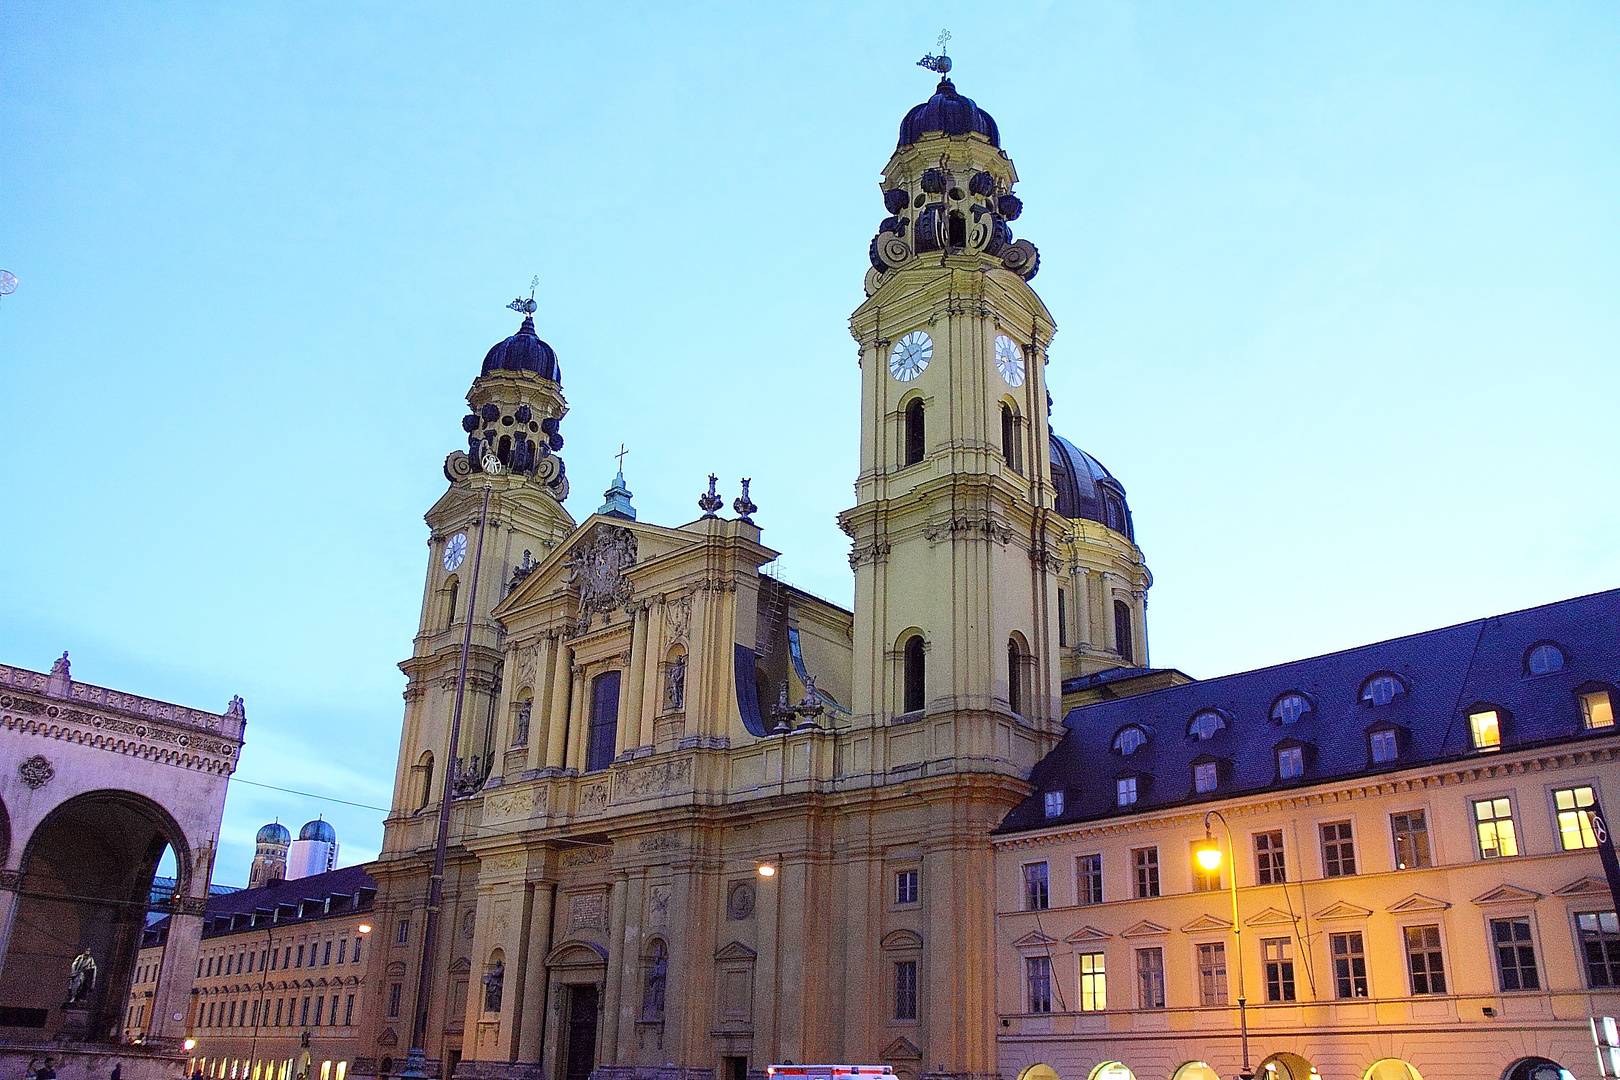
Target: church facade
(699, 820)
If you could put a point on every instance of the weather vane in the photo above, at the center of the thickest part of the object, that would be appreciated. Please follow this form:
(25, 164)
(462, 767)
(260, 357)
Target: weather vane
(528, 306)
(940, 63)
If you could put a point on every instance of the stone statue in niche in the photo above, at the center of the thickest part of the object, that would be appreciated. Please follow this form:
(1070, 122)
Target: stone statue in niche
(652, 996)
(596, 569)
(81, 978)
(520, 735)
(675, 685)
(493, 983)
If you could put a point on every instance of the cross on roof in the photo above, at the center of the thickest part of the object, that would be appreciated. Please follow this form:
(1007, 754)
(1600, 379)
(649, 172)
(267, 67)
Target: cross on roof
(620, 456)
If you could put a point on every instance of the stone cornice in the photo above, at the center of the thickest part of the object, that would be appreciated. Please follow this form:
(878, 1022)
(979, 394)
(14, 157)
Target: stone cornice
(34, 684)
(185, 747)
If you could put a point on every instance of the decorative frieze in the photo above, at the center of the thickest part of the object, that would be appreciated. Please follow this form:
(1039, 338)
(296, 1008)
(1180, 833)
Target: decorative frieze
(648, 781)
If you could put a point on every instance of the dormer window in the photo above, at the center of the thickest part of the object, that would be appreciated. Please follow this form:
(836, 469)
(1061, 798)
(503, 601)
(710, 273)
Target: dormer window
(1485, 729)
(1597, 710)
(1125, 791)
(1205, 724)
(1291, 707)
(1206, 777)
(1383, 745)
(1290, 762)
(1054, 804)
(1544, 659)
(1128, 741)
(1382, 689)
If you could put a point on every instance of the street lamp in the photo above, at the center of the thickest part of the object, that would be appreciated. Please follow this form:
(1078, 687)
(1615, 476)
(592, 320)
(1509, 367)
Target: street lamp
(1207, 852)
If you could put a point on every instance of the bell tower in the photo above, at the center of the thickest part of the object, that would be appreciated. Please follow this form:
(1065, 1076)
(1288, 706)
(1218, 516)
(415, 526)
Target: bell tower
(514, 410)
(955, 544)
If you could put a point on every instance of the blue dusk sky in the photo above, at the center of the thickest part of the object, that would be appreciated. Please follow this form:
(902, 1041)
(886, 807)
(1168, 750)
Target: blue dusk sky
(1338, 289)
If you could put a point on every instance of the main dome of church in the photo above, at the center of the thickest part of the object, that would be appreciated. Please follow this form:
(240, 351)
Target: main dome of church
(524, 351)
(949, 113)
(1086, 489)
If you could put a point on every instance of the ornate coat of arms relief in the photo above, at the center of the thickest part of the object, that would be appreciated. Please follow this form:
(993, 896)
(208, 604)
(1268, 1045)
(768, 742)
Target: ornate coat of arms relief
(596, 568)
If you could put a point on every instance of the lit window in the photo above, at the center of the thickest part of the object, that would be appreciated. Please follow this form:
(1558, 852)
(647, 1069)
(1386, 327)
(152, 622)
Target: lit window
(1411, 832)
(1093, 982)
(1493, 819)
(1384, 744)
(1129, 740)
(1485, 729)
(1381, 690)
(1037, 887)
(1205, 776)
(1597, 711)
(1125, 790)
(1574, 818)
(1206, 724)
(1290, 708)
(1205, 880)
(1545, 659)
(1054, 803)
(1291, 762)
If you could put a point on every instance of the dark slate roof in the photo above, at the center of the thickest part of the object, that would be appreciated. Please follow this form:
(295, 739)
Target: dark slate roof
(524, 351)
(1085, 489)
(242, 905)
(1447, 672)
(950, 113)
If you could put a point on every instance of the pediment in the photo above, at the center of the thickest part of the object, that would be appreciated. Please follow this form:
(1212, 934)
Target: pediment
(1087, 934)
(388, 1038)
(396, 968)
(1034, 938)
(901, 1049)
(1205, 923)
(736, 951)
(577, 953)
(1417, 902)
(461, 966)
(1145, 928)
(1343, 910)
(1584, 886)
(902, 939)
(1270, 917)
(1507, 894)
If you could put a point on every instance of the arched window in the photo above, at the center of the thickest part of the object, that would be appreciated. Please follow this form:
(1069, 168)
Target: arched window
(601, 741)
(914, 432)
(1129, 739)
(1123, 643)
(450, 614)
(424, 779)
(1205, 724)
(1544, 659)
(1290, 707)
(1015, 677)
(1009, 436)
(912, 678)
(1381, 689)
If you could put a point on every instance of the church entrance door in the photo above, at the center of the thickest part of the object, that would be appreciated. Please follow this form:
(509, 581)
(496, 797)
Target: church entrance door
(582, 1008)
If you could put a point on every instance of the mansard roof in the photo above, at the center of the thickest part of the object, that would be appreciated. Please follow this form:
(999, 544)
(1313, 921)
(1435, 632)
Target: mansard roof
(1441, 676)
(335, 892)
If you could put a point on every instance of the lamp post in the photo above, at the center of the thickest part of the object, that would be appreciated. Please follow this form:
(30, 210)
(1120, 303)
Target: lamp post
(1208, 854)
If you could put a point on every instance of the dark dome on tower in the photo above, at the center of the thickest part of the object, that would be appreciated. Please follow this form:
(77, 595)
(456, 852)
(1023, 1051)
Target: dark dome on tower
(950, 113)
(1085, 489)
(524, 351)
(318, 830)
(274, 833)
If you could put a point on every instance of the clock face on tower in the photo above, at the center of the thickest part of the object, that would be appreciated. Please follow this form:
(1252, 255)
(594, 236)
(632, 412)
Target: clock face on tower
(910, 355)
(455, 550)
(1009, 360)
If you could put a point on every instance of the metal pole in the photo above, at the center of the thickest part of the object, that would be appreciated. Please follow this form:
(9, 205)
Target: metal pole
(416, 1059)
(1237, 934)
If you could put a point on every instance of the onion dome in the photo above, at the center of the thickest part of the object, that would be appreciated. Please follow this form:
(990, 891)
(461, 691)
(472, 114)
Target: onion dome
(1085, 489)
(950, 113)
(524, 351)
(319, 829)
(274, 833)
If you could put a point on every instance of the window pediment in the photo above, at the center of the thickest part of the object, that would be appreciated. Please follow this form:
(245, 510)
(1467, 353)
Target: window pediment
(902, 939)
(1145, 928)
(1034, 939)
(736, 951)
(1270, 917)
(1507, 894)
(1342, 910)
(1087, 935)
(1205, 924)
(1584, 886)
(1417, 902)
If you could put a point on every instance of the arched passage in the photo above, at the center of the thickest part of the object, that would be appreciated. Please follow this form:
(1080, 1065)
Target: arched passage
(86, 884)
(1537, 1068)
(1391, 1069)
(1287, 1067)
(1111, 1070)
(1038, 1071)
(1195, 1070)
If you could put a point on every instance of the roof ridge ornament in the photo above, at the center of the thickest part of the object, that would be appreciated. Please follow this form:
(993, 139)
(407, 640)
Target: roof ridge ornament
(940, 63)
(527, 307)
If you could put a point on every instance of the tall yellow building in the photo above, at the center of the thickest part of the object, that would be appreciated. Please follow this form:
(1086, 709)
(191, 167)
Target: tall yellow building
(701, 820)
